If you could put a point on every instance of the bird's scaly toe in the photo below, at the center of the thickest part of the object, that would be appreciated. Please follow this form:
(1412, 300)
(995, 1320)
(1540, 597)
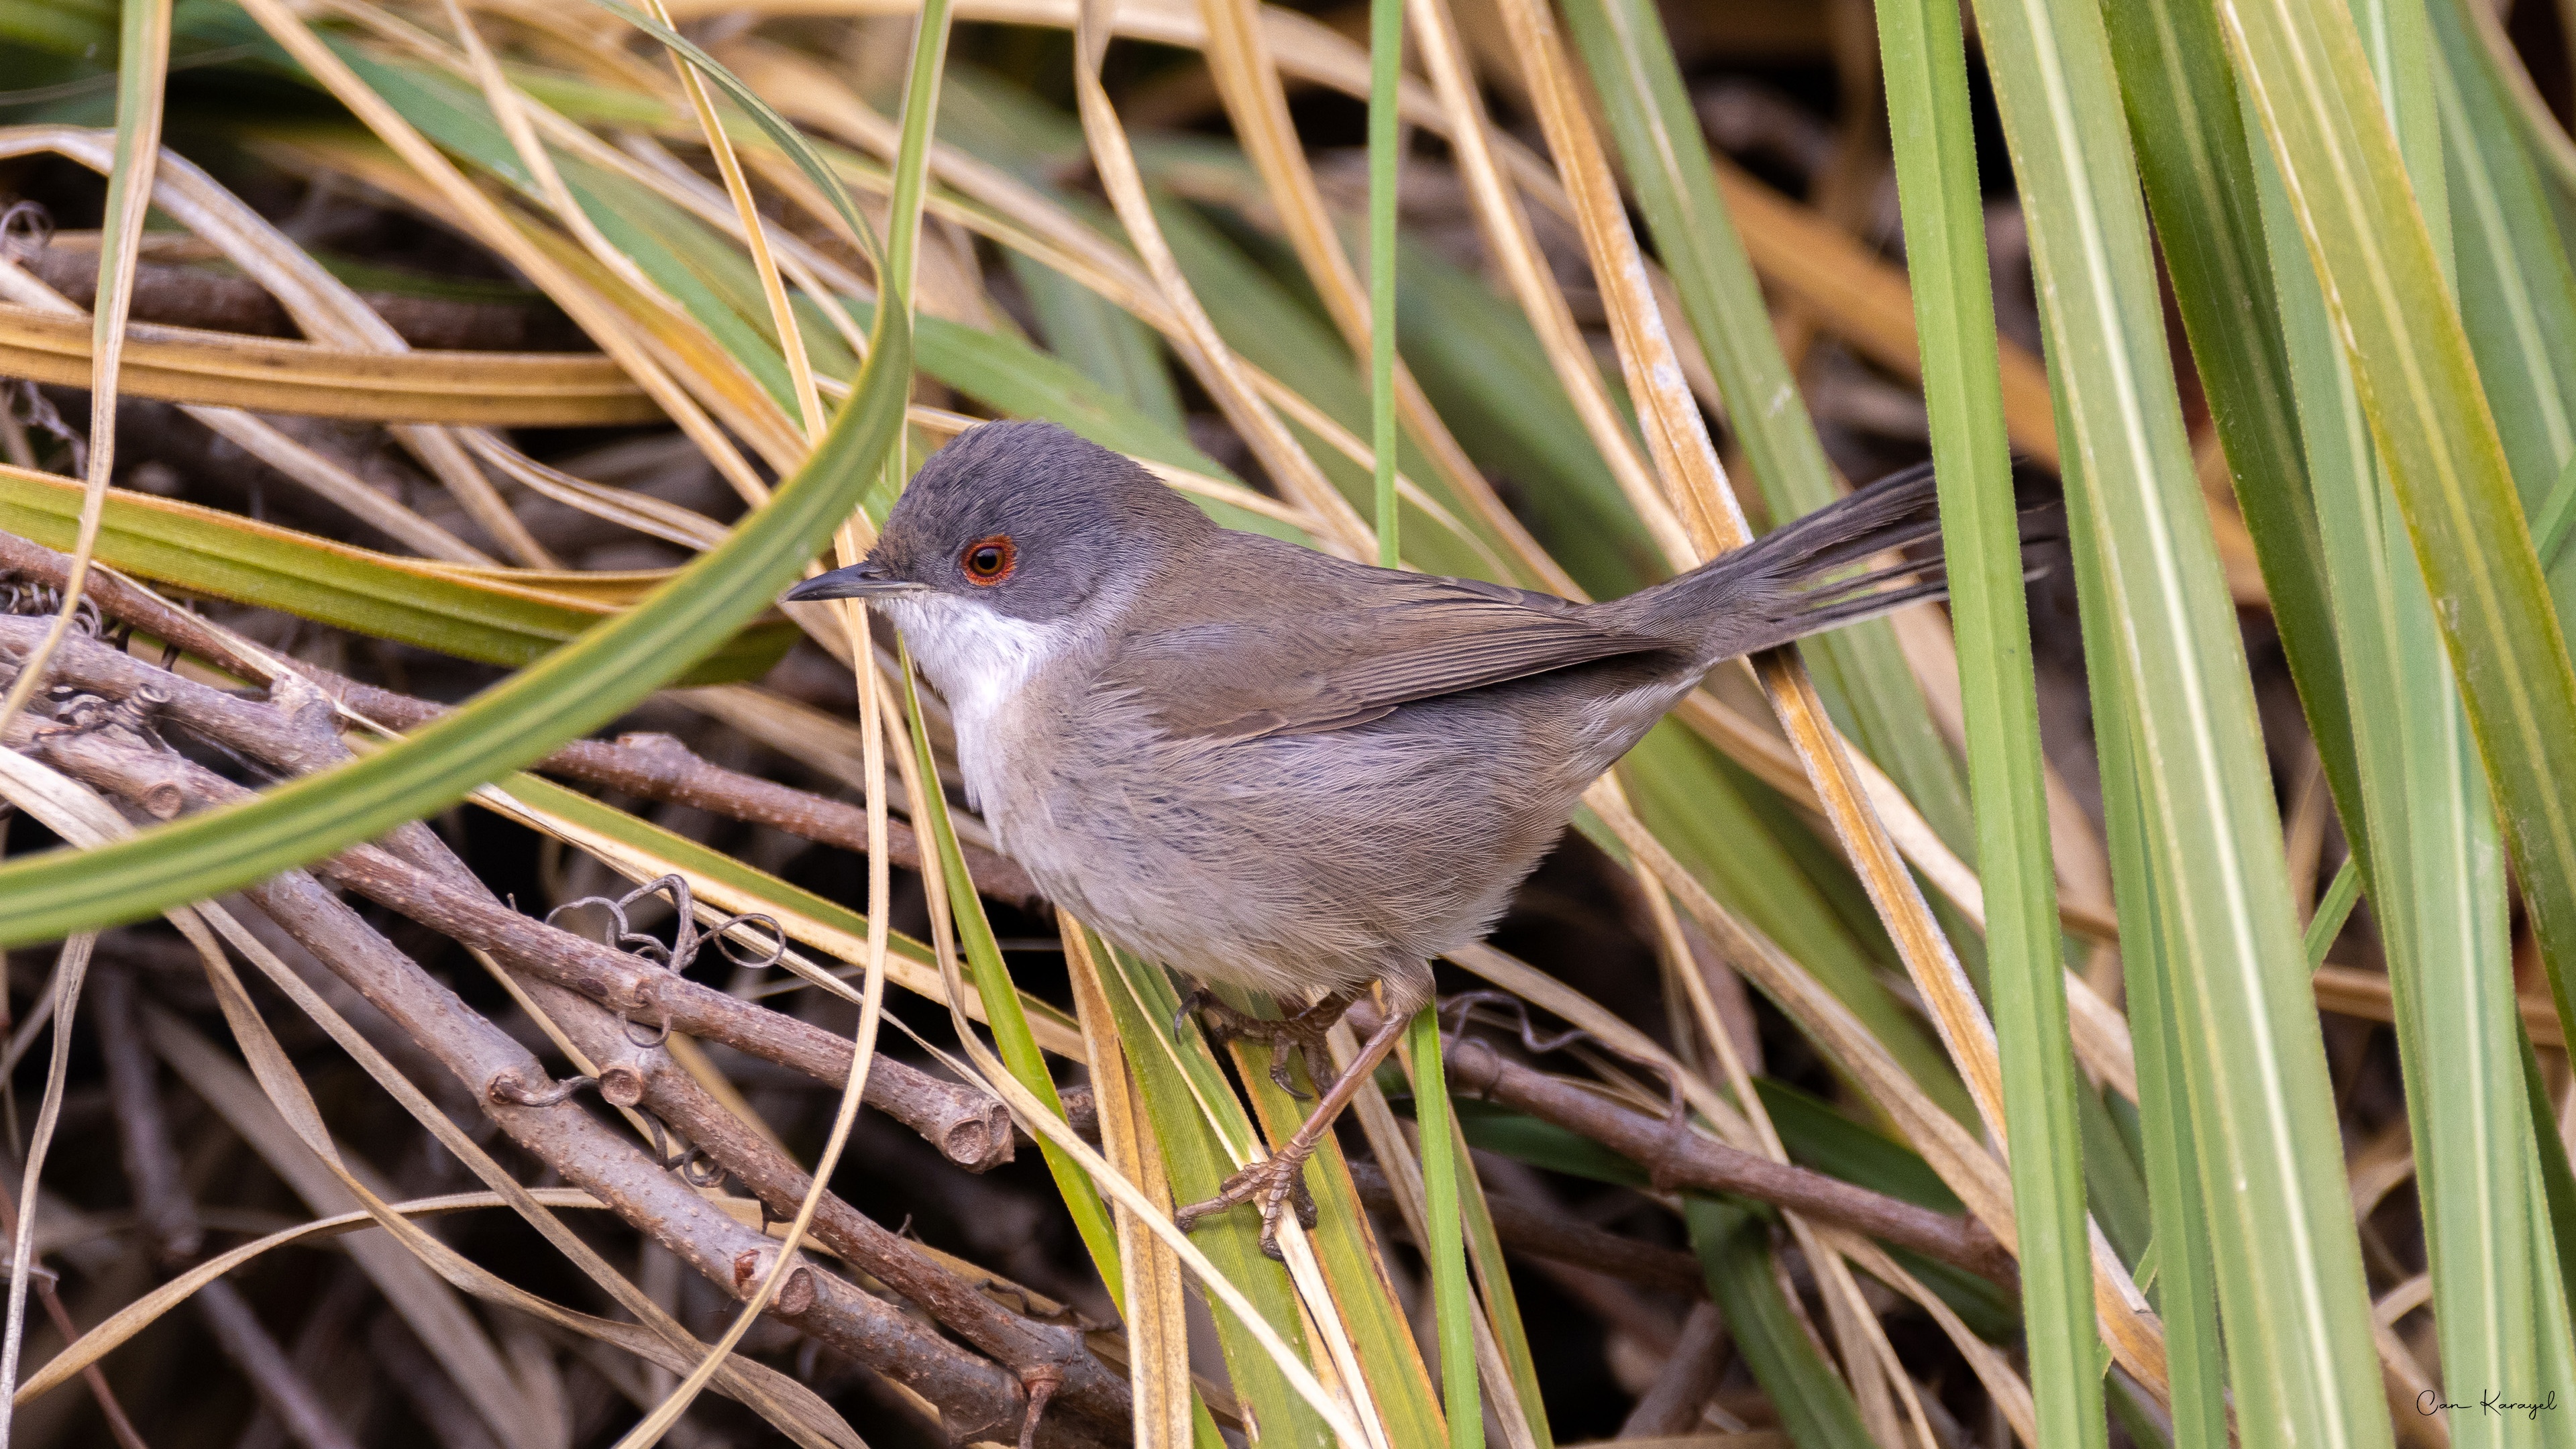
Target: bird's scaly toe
(1274, 1186)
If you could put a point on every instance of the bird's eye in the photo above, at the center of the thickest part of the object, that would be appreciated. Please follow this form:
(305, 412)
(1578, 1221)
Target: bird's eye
(989, 560)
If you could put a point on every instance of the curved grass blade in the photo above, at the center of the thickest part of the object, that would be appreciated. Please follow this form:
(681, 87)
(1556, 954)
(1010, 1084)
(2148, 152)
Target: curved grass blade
(142, 75)
(208, 552)
(568, 693)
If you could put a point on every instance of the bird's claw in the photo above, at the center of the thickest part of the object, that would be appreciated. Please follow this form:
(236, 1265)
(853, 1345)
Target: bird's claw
(1274, 1185)
(1303, 1032)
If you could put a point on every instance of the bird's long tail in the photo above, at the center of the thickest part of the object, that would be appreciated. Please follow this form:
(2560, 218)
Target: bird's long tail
(1843, 563)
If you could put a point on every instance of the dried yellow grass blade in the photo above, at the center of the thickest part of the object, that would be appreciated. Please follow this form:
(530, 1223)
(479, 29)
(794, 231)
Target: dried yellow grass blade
(326, 308)
(1158, 1335)
(267, 374)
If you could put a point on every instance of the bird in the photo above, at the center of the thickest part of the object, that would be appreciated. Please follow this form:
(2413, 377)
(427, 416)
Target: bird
(1268, 767)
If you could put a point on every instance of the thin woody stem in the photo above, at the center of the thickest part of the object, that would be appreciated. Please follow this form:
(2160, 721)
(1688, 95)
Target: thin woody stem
(1676, 1157)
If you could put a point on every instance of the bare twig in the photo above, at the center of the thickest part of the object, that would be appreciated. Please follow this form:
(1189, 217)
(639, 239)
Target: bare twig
(184, 296)
(647, 1077)
(281, 1389)
(660, 767)
(294, 735)
(1677, 1158)
(976, 1397)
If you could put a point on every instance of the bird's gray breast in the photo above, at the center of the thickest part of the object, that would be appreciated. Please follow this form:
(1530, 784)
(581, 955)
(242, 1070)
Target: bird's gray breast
(1291, 863)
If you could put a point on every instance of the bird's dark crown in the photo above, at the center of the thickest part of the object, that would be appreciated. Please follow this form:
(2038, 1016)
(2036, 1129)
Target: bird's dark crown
(1025, 518)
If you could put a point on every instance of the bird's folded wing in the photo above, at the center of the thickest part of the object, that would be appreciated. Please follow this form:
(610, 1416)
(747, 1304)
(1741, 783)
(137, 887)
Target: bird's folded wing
(1244, 678)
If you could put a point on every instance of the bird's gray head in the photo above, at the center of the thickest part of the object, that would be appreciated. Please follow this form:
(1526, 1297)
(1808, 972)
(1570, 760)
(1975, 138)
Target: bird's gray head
(1025, 520)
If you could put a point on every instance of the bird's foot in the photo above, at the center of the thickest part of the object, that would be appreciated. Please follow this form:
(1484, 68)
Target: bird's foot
(1275, 1185)
(1304, 1032)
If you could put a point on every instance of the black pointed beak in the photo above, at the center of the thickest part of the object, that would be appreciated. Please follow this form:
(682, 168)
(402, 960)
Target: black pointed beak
(866, 579)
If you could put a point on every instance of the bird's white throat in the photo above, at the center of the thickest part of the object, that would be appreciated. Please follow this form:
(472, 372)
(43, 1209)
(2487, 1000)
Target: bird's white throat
(978, 659)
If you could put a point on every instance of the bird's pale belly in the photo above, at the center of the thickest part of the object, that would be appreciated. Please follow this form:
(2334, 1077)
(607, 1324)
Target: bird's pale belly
(1295, 864)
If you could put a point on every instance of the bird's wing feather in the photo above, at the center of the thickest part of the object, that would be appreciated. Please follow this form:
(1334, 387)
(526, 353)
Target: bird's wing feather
(1396, 639)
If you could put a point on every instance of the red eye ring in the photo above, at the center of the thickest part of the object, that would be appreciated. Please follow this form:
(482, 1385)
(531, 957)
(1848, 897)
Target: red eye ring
(987, 561)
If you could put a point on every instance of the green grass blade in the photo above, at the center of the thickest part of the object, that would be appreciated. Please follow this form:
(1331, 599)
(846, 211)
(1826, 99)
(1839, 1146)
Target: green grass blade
(1385, 156)
(2310, 84)
(2556, 1207)
(2289, 1262)
(1925, 60)
(2517, 294)
(2186, 125)
(2185, 1287)
(1502, 1305)
(572, 691)
(1100, 340)
(208, 552)
(1183, 1090)
(1734, 1247)
(2441, 906)
(2333, 909)
(1009, 376)
(1453, 1298)
(1363, 1299)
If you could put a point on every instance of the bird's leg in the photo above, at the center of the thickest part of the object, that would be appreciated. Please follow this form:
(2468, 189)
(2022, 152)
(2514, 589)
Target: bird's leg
(1303, 1030)
(1277, 1180)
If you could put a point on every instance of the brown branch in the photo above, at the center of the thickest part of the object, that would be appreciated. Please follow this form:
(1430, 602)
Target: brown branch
(656, 767)
(968, 1126)
(647, 1076)
(629, 1074)
(244, 1340)
(977, 1398)
(1678, 1159)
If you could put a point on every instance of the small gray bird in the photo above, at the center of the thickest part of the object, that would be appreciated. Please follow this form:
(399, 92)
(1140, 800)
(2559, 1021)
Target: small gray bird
(1272, 768)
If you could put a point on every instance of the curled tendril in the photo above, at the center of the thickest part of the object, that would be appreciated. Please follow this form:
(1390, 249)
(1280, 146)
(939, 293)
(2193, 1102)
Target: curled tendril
(25, 596)
(690, 1161)
(626, 1025)
(511, 1089)
(687, 939)
(1506, 1009)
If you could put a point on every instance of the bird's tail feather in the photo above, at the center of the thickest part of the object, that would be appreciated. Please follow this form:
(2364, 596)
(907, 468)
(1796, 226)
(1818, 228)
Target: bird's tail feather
(1798, 579)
